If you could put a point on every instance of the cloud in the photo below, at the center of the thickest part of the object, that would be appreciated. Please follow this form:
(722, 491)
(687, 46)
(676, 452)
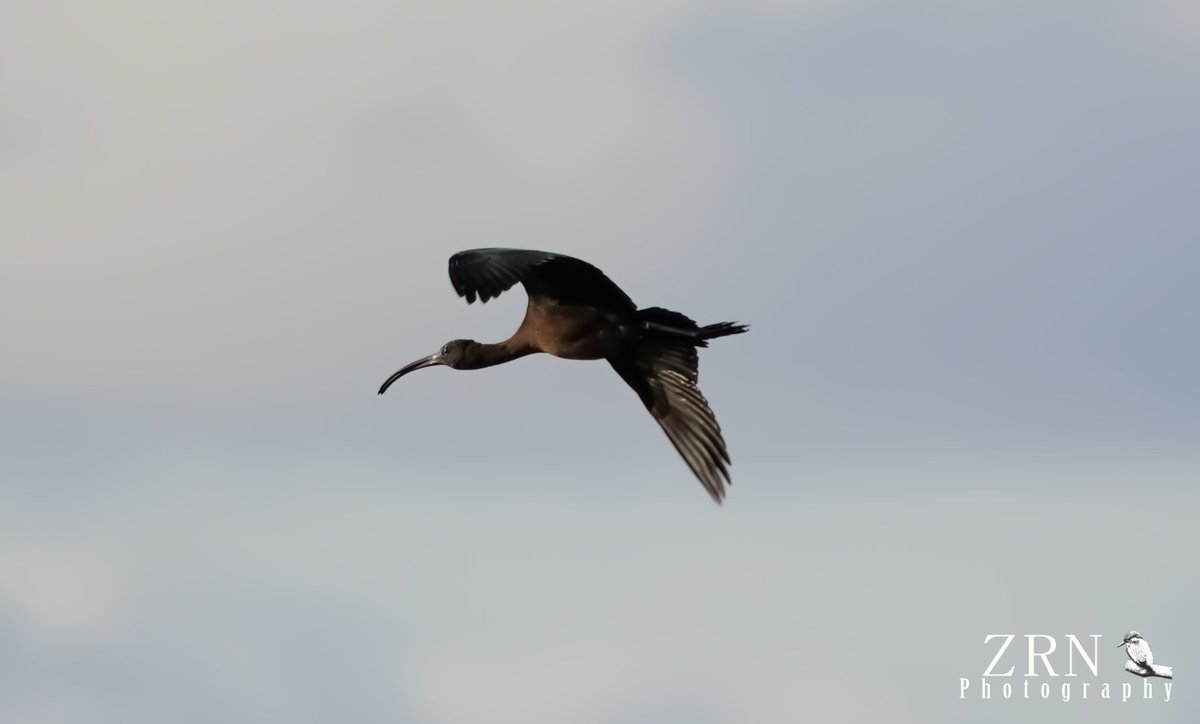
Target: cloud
(562, 681)
(61, 598)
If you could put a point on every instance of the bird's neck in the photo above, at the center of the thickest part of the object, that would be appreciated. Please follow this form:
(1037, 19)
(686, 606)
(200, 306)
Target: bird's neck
(488, 355)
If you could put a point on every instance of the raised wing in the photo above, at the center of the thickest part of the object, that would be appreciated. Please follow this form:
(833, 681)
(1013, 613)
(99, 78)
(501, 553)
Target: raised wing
(665, 375)
(487, 273)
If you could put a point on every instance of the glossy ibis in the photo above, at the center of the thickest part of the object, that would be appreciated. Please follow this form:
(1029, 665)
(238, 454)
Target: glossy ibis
(576, 312)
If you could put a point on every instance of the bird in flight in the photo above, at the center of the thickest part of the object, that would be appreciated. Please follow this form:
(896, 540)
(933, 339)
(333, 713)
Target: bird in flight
(576, 312)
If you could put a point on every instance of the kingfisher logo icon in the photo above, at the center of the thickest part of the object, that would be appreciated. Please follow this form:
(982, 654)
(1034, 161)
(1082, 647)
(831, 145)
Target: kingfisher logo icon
(1044, 669)
(1141, 660)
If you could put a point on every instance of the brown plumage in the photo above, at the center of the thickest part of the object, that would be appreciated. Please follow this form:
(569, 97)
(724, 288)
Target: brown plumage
(576, 312)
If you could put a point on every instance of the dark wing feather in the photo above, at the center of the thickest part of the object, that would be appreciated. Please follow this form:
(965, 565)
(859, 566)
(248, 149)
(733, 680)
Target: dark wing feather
(664, 376)
(486, 273)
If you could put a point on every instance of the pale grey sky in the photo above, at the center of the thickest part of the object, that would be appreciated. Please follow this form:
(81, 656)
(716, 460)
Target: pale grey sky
(964, 234)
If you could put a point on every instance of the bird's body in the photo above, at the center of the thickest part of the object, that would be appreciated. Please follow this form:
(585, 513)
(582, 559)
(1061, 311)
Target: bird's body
(1138, 650)
(569, 331)
(576, 312)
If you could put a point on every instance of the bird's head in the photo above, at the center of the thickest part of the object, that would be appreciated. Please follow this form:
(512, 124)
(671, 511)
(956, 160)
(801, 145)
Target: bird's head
(1130, 637)
(461, 354)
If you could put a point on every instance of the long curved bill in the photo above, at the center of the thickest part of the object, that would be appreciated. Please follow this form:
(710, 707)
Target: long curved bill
(422, 363)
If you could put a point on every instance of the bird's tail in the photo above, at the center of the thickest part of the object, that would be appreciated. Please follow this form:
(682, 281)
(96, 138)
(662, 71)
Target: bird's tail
(722, 329)
(664, 321)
